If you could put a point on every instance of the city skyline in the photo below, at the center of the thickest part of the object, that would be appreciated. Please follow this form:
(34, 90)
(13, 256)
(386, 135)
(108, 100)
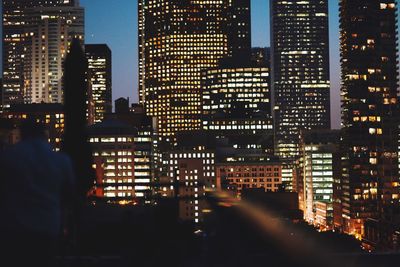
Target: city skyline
(208, 118)
(124, 43)
(122, 37)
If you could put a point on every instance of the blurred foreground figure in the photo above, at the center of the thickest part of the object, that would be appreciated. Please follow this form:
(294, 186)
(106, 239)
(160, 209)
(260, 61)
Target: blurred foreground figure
(34, 181)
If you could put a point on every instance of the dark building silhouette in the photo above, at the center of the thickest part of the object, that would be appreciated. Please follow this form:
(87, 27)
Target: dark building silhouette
(1, 93)
(283, 204)
(261, 56)
(100, 76)
(369, 90)
(122, 105)
(300, 70)
(76, 143)
(239, 28)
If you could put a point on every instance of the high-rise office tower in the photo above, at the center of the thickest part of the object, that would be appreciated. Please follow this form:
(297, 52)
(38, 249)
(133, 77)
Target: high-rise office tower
(177, 41)
(100, 75)
(370, 182)
(35, 37)
(141, 52)
(49, 31)
(300, 70)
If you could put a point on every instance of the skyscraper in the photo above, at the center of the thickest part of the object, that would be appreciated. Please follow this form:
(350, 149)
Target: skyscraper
(141, 51)
(33, 46)
(300, 70)
(49, 31)
(370, 182)
(100, 73)
(177, 41)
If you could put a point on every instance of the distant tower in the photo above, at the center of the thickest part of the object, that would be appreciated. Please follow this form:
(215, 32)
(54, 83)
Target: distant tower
(141, 52)
(370, 182)
(35, 36)
(122, 105)
(300, 70)
(100, 75)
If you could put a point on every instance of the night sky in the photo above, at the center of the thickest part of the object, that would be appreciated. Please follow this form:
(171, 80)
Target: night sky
(115, 23)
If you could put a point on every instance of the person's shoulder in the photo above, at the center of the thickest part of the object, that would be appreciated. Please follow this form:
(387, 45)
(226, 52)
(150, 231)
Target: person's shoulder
(65, 166)
(62, 158)
(12, 151)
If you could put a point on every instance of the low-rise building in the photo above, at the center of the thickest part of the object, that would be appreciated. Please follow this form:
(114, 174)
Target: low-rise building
(50, 115)
(144, 142)
(191, 173)
(113, 151)
(243, 175)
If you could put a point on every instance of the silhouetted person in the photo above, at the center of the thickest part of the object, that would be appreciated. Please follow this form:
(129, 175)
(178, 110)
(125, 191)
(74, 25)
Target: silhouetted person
(33, 183)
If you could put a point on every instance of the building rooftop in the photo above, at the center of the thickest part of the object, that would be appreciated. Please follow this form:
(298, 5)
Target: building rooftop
(110, 127)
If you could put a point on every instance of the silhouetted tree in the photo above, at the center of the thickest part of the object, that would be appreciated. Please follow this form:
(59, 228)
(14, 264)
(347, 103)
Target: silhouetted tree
(76, 143)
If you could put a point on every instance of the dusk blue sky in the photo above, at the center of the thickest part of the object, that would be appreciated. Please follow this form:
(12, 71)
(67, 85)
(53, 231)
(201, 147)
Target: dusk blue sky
(115, 23)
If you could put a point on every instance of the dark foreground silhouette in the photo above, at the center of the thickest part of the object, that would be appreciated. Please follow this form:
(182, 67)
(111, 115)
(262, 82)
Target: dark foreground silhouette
(35, 183)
